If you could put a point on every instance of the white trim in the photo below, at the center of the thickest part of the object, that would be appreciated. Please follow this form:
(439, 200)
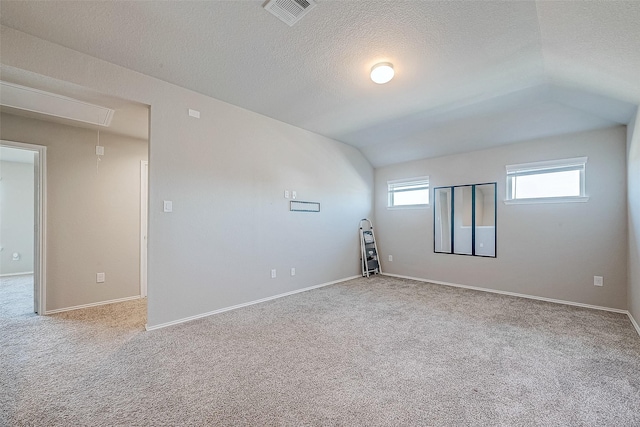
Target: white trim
(246, 304)
(40, 220)
(571, 199)
(144, 218)
(405, 207)
(16, 274)
(633, 322)
(547, 164)
(41, 215)
(93, 304)
(417, 180)
(513, 294)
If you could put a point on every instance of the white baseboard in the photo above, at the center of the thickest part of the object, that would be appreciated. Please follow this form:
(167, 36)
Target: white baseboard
(513, 294)
(235, 307)
(16, 274)
(634, 323)
(93, 304)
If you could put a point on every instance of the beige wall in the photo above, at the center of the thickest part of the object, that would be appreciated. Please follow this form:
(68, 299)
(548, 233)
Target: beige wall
(16, 217)
(93, 212)
(226, 174)
(633, 179)
(546, 250)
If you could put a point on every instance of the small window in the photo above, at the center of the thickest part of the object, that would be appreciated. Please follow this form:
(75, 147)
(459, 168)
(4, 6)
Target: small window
(551, 181)
(409, 193)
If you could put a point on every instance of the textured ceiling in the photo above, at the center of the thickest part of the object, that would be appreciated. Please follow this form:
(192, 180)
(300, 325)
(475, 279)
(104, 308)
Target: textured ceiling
(468, 74)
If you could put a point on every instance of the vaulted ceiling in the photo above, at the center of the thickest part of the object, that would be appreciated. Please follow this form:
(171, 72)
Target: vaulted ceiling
(469, 75)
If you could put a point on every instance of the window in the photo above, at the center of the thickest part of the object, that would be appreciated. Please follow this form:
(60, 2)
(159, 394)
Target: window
(409, 193)
(547, 182)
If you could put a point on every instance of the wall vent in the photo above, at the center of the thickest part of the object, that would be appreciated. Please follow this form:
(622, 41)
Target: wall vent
(51, 104)
(289, 11)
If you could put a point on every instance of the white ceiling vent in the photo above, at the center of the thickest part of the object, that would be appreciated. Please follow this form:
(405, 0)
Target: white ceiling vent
(289, 11)
(51, 104)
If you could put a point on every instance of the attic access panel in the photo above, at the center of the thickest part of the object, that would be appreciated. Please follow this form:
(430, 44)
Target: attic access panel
(51, 104)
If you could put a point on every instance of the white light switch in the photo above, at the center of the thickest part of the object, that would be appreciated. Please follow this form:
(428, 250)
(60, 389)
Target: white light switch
(293, 271)
(99, 150)
(294, 194)
(168, 206)
(99, 277)
(598, 281)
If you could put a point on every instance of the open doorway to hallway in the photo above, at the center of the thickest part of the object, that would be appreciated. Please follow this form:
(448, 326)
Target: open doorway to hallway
(22, 201)
(94, 194)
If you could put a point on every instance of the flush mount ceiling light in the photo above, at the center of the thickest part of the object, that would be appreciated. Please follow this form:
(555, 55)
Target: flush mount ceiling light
(382, 72)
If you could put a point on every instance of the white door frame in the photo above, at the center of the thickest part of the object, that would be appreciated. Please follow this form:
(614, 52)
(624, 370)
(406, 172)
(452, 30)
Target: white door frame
(40, 220)
(144, 209)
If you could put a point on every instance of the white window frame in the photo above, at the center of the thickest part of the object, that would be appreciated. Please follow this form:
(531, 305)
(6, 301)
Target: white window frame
(576, 163)
(407, 181)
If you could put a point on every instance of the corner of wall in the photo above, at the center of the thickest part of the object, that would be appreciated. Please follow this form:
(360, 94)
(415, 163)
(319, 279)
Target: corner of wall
(633, 206)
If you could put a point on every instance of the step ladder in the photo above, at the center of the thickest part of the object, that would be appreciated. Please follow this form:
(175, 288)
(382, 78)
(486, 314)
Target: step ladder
(368, 249)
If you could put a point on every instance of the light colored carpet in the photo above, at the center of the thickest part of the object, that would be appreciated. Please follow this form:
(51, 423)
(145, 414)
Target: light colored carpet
(368, 352)
(16, 297)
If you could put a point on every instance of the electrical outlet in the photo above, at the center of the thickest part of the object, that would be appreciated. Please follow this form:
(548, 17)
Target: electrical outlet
(273, 273)
(391, 258)
(286, 194)
(294, 194)
(598, 281)
(293, 271)
(99, 150)
(99, 277)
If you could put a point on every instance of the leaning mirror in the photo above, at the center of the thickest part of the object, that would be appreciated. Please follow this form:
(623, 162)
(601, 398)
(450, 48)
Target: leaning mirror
(464, 220)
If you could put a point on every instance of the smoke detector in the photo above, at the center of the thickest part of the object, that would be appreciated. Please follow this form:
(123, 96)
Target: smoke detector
(289, 11)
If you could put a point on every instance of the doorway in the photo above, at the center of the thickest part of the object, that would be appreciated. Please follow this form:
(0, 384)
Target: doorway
(24, 167)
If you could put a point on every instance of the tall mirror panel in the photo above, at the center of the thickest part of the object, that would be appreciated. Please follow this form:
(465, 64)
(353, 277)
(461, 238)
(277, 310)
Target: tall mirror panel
(463, 220)
(485, 231)
(442, 218)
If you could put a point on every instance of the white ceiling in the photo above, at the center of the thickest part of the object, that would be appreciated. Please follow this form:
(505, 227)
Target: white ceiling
(469, 74)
